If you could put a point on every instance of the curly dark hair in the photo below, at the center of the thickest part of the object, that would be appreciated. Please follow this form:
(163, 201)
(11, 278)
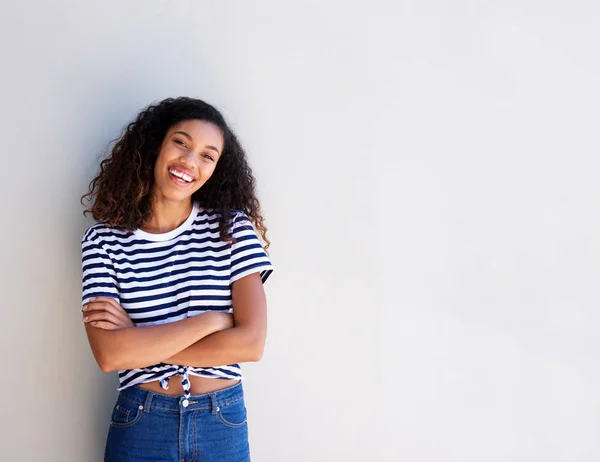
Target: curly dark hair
(121, 192)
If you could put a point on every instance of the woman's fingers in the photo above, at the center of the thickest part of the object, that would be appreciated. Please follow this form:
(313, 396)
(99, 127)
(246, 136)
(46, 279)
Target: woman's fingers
(104, 325)
(113, 302)
(103, 318)
(103, 307)
(108, 305)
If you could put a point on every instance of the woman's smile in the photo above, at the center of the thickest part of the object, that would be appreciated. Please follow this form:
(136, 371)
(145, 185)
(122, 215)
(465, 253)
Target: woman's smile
(180, 178)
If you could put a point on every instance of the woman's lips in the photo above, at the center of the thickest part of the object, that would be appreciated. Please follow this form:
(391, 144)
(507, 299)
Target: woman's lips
(179, 182)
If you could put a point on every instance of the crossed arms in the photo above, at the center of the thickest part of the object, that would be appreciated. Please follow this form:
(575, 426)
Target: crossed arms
(208, 339)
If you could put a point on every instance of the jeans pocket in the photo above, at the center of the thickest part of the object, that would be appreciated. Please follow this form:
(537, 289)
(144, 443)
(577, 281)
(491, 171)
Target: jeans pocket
(233, 414)
(125, 413)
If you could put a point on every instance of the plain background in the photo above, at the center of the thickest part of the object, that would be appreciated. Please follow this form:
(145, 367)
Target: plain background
(429, 175)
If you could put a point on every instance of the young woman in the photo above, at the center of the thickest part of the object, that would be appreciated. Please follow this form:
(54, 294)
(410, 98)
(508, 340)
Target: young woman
(173, 275)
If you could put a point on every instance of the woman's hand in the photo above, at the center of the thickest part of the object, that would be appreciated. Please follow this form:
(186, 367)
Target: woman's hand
(105, 313)
(219, 320)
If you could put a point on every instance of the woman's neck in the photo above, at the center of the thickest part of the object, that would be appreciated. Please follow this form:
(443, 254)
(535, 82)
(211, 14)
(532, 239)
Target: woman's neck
(167, 215)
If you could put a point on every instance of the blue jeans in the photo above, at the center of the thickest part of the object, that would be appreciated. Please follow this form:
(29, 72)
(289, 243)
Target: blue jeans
(158, 427)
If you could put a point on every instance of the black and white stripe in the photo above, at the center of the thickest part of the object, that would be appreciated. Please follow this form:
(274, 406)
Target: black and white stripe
(161, 278)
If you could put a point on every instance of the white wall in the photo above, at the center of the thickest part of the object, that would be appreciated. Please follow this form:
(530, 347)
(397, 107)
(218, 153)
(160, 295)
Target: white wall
(428, 172)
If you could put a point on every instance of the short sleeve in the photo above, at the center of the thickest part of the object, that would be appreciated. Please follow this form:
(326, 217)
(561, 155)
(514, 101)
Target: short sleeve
(99, 277)
(247, 253)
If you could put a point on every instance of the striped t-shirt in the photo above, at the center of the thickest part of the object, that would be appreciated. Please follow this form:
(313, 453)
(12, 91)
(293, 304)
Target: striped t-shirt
(161, 278)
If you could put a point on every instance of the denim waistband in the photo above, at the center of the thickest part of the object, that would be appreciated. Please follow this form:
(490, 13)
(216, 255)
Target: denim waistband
(211, 401)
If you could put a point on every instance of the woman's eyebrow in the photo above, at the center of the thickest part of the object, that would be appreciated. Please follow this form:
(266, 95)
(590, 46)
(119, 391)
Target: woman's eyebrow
(184, 134)
(191, 139)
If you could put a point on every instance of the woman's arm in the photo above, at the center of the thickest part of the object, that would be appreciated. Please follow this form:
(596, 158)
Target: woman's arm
(134, 347)
(242, 343)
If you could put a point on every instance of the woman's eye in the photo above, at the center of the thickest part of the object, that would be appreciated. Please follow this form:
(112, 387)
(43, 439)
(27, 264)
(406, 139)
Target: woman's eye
(208, 157)
(180, 142)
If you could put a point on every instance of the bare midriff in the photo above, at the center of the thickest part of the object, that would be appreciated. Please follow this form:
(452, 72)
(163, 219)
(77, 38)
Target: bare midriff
(198, 385)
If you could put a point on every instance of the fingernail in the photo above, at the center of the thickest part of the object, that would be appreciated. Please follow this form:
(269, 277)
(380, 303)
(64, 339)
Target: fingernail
(93, 323)
(84, 307)
(85, 319)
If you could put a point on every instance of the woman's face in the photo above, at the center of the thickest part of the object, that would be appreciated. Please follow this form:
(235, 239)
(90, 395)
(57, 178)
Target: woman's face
(188, 156)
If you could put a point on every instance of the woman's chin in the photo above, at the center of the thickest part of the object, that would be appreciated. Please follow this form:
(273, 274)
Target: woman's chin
(174, 194)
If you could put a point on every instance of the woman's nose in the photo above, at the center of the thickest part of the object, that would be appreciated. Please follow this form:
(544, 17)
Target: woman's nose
(188, 157)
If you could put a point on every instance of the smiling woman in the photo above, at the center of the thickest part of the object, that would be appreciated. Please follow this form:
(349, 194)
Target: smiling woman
(173, 275)
(186, 155)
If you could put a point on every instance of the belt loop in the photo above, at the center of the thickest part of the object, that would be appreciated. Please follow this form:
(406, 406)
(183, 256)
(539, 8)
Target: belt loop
(148, 401)
(213, 403)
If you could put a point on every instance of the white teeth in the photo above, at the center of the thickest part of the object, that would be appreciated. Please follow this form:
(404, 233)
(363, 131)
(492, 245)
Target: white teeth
(183, 176)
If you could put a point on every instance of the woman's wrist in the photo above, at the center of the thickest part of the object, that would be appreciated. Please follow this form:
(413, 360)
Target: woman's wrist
(213, 321)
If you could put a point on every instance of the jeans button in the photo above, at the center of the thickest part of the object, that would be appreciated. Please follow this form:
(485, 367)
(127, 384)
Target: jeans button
(185, 403)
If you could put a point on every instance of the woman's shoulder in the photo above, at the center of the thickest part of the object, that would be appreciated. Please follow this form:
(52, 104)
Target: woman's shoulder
(100, 230)
(214, 215)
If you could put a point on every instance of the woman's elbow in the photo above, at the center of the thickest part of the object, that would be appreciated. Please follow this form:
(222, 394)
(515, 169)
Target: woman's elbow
(257, 350)
(107, 361)
(105, 364)
(106, 368)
